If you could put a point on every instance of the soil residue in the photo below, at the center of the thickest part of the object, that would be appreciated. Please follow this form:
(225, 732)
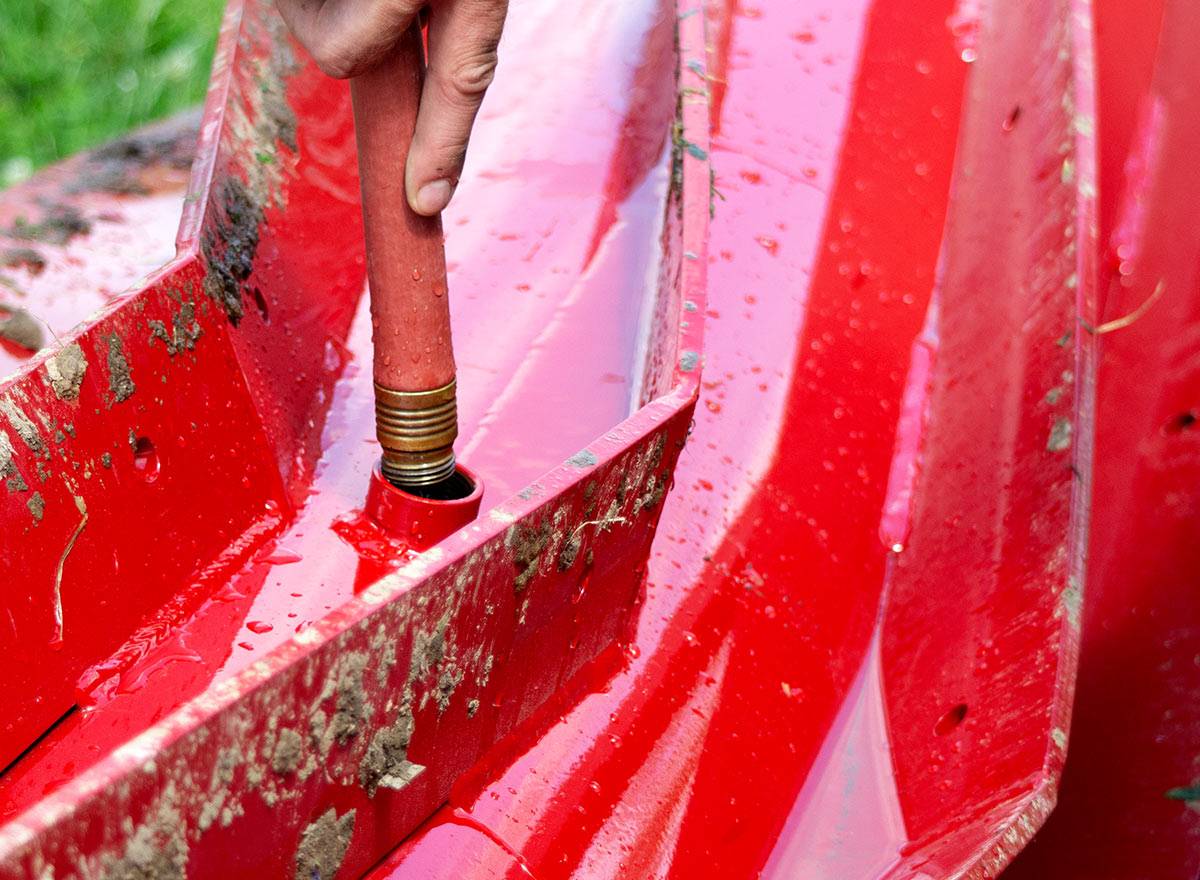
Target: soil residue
(65, 371)
(60, 224)
(25, 429)
(120, 382)
(185, 330)
(528, 544)
(117, 167)
(428, 651)
(22, 258)
(1060, 436)
(37, 506)
(8, 470)
(229, 246)
(323, 845)
(386, 762)
(569, 552)
(157, 851)
(21, 328)
(289, 749)
(351, 708)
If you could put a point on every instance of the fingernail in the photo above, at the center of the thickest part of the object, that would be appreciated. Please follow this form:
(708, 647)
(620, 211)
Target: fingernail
(433, 197)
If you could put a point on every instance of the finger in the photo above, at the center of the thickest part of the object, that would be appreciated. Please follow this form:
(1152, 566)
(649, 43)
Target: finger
(345, 37)
(463, 37)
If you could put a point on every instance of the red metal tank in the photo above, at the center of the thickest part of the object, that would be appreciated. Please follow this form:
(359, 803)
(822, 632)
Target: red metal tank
(817, 283)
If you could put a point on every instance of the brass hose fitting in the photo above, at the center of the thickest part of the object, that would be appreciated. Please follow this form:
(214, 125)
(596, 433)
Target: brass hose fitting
(417, 430)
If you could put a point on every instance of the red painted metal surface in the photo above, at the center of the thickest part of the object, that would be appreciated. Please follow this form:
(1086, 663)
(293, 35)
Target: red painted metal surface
(855, 651)
(421, 523)
(1136, 716)
(250, 627)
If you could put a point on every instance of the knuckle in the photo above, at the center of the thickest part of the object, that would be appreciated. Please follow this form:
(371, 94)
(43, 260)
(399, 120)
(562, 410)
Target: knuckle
(332, 60)
(471, 76)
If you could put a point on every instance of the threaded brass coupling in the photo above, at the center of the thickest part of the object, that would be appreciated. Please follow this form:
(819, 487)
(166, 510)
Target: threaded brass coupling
(417, 430)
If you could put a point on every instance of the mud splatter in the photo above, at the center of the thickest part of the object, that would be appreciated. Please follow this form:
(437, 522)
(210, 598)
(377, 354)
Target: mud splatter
(582, 459)
(569, 552)
(37, 506)
(231, 239)
(448, 681)
(21, 328)
(185, 330)
(386, 762)
(23, 258)
(60, 224)
(229, 246)
(323, 845)
(157, 851)
(289, 748)
(219, 789)
(351, 707)
(116, 167)
(1060, 436)
(120, 382)
(25, 429)
(528, 544)
(65, 371)
(428, 651)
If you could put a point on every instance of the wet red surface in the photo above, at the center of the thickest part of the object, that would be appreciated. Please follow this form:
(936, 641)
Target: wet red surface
(1124, 809)
(854, 652)
(767, 723)
(562, 373)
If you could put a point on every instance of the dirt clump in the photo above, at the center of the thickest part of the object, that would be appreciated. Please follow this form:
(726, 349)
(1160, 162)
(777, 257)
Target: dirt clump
(58, 226)
(229, 246)
(120, 382)
(25, 429)
(528, 545)
(185, 330)
(23, 258)
(65, 371)
(323, 845)
(386, 763)
(20, 328)
(158, 851)
(288, 750)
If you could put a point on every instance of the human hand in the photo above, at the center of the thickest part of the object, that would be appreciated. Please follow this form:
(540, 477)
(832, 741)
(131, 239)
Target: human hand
(346, 37)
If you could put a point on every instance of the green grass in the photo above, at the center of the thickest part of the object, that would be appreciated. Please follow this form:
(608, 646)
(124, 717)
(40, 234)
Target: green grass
(75, 73)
